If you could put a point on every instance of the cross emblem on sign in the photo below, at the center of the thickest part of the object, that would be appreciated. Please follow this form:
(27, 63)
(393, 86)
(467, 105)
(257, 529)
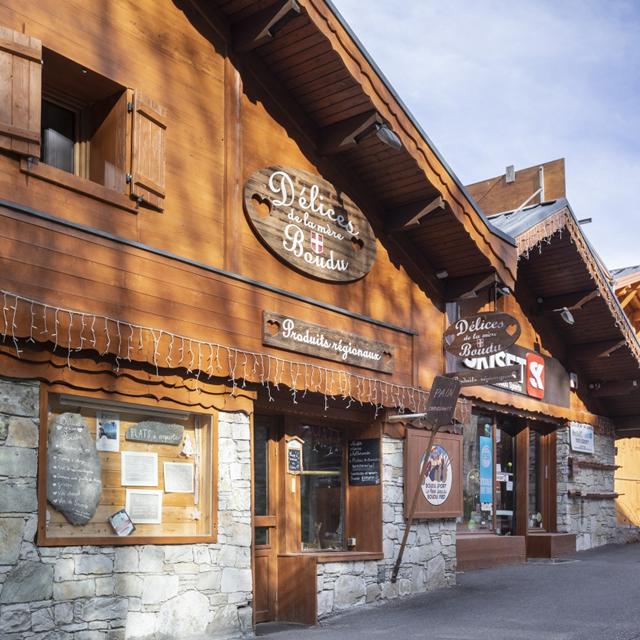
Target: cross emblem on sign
(317, 242)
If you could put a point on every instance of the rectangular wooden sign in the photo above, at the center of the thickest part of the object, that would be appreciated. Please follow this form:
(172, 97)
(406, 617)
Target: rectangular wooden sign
(296, 335)
(364, 462)
(443, 397)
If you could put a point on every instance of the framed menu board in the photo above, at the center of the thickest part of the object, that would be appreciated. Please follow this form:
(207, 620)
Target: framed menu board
(154, 463)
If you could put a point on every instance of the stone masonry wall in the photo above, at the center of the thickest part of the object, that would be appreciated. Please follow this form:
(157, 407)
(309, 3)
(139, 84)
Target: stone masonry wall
(117, 593)
(429, 560)
(593, 521)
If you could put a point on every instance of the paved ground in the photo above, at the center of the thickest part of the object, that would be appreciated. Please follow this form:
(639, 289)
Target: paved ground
(596, 595)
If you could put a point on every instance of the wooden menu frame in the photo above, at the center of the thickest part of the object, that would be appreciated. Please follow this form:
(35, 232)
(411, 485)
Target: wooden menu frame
(415, 444)
(64, 533)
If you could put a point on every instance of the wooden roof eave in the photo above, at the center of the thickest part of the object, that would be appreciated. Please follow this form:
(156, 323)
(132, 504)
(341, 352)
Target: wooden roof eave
(497, 248)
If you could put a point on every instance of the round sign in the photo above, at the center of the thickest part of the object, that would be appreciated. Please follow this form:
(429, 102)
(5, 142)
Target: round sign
(310, 225)
(437, 483)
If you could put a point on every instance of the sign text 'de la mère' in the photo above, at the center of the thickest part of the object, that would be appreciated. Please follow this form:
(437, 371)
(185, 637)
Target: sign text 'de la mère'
(291, 334)
(308, 224)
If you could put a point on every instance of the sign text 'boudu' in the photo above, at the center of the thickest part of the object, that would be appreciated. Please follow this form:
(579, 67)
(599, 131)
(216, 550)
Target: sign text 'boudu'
(308, 224)
(291, 334)
(481, 335)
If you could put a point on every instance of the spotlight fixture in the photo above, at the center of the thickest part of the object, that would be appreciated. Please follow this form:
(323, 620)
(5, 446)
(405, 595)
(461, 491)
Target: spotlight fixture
(566, 315)
(442, 274)
(386, 135)
(503, 290)
(585, 221)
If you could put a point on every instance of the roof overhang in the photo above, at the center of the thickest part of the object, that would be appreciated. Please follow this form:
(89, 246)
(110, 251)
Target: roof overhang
(558, 270)
(303, 53)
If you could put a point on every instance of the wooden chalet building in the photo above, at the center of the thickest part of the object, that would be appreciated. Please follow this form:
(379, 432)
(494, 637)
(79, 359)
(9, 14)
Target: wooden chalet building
(229, 256)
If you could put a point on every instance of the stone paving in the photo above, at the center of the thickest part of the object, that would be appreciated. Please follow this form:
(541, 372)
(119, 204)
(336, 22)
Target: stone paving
(594, 596)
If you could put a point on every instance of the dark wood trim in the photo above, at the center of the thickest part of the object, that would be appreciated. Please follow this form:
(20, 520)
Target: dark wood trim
(522, 481)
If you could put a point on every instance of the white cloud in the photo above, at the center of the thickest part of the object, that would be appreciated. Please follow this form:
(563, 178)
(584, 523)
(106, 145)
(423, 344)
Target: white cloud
(496, 83)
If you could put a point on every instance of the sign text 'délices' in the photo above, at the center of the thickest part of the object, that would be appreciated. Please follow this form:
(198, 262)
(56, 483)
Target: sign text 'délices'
(308, 224)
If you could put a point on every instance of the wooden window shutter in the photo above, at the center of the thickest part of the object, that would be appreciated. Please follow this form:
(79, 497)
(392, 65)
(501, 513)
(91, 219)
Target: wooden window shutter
(20, 92)
(108, 149)
(148, 152)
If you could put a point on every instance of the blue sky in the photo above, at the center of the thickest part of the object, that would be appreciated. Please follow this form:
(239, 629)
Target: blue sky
(495, 83)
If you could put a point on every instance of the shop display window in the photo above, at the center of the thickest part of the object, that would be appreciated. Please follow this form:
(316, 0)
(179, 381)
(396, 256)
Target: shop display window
(124, 473)
(321, 489)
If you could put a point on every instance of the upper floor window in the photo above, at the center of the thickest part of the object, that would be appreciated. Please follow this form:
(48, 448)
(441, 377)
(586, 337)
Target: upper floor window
(68, 120)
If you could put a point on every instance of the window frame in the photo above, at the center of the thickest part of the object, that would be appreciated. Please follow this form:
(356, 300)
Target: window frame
(46, 540)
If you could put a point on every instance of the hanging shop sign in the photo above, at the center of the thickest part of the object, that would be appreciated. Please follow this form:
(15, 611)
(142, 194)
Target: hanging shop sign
(481, 335)
(443, 397)
(364, 462)
(471, 378)
(486, 472)
(291, 334)
(582, 438)
(307, 223)
(440, 494)
(539, 377)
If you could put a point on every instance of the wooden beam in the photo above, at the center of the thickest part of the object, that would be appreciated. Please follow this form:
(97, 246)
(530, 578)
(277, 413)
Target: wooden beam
(590, 350)
(628, 298)
(261, 27)
(572, 301)
(468, 286)
(343, 135)
(410, 216)
(627, 422)
(614, 388)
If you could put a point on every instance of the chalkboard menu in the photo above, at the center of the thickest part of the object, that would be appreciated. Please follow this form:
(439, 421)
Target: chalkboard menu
(364, 462)
(294, 460)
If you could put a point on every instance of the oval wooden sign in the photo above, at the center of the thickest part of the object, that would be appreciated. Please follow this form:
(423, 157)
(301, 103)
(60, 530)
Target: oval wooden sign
(308, 224)
(481, 335)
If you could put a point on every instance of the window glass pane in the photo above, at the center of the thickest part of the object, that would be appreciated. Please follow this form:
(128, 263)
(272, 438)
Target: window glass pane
(261, 469)
(321, 499)
(262, 535)
(535, 493)
(478, 475)
(58, 136)
(505, 483)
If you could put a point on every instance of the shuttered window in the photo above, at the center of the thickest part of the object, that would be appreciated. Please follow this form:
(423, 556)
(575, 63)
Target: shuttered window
(83, 128)
(20, 92)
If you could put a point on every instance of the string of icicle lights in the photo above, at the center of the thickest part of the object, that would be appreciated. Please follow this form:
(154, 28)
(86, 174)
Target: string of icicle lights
(71, 330)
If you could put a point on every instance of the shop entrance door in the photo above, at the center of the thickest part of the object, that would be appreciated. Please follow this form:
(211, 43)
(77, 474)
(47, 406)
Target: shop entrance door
(265, 521)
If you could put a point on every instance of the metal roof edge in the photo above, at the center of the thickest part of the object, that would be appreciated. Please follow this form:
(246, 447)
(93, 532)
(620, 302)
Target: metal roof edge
(345, 25)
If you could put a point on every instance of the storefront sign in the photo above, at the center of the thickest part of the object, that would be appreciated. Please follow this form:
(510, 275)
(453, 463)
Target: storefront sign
(291, 334)
(486, 472)
(440, 494)
(364, 462)
(294, 456)
(539, 377)
(307, 223)
(437, 483)
(443, 397)
(471, 378)
(481, 335)
(582, 437)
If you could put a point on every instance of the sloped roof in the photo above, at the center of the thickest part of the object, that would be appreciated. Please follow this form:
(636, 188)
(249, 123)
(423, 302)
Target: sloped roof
(516, 223)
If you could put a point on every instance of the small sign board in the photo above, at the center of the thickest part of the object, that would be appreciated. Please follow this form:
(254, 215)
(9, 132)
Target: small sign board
(294, 456)
(364, 462)
(582, 438)
(300, 336)
(443, 397)
(471, 378)
(483, 334)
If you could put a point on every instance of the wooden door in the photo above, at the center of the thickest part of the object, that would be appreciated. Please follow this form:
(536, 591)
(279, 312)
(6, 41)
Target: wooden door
(265, 517)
